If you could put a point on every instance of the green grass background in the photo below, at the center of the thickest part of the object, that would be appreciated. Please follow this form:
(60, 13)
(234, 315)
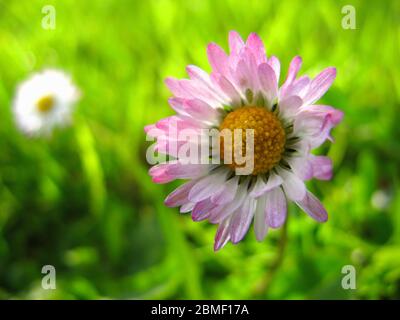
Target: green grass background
(83, 201)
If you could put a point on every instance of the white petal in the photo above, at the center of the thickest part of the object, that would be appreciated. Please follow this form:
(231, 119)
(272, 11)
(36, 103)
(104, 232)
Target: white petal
(223, 211)
(187, 207)
(276, 208)
(207, 186)
(319, 85)
(179, 196)
(301, 166)
(198, 74)
(202, 210)
(321, 167)
(258, 188)
(313, 207)
(276, 66)
(241, 220)
(290, 106)
(261, 187)
(223, 235)
(228, 193)
(233, 94)
(260, 219)
(293, 186)
(235, 42)
(268, 81)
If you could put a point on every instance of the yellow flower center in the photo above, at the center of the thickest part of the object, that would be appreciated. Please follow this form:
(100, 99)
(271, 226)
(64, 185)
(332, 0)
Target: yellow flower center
(269, 137)
(45, 103)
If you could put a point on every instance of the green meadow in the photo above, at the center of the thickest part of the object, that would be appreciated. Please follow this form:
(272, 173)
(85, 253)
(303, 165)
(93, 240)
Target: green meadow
(82, 200)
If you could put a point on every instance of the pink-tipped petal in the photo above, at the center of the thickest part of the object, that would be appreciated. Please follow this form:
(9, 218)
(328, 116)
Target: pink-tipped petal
(252, 71)
(325, 112)
(194, 90)
(159, 174)
(187, 207)
(202, 209)
(191, 89)
(224, 211)
(196, 73)
(228, 193)
(235, 42)
(276, 66)
(149, 127)
(186, 171)
(227, 87)
(321, 167)
(203, 78)
(164, 124)
(200, 110)
(222, 237)
(178, 105)
(175, 88)
(255, 44)
(299, 87)
(290, 106)
(294, 68)
(219, 213)
(301, 167)
(217, 58)
(242, 76)
(268, 81)
(320, 85)
(336, 116)
(179, 196)
(276, 208)
(293, 186)
(313, 207)
(274, 181)
(258, 188)
(207, 186)
(241, 220)
(152, 131)
(262, 187)
(315, 122)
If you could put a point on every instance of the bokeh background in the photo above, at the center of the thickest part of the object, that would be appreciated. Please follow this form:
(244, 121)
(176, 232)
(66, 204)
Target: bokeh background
(83, 202)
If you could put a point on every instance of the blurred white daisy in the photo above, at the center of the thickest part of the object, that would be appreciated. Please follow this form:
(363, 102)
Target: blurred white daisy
(44, 101)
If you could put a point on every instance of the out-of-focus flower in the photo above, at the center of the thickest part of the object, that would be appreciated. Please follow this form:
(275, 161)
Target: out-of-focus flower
(43, 101)
(242, 93)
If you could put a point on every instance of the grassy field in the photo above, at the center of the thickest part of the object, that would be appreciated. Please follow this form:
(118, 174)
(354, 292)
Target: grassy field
(83, 202)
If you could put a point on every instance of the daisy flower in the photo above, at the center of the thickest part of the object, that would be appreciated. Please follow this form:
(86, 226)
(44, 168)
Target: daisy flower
(44, 101)
(241, 93)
